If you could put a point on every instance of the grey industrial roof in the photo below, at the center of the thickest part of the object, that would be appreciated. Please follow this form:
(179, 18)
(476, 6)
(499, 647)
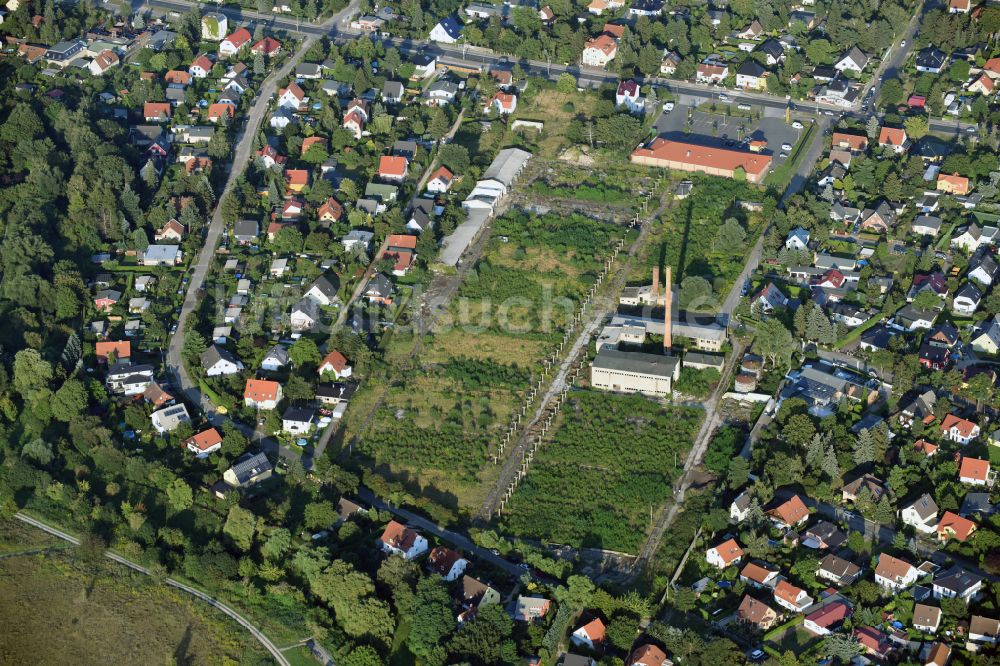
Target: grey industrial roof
(637, 362)
(507, 165)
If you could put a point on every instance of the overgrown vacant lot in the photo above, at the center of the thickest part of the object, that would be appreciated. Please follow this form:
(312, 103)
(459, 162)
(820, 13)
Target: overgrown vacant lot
(610, 459)
(691, 239)
(57, 610)
(440, 421)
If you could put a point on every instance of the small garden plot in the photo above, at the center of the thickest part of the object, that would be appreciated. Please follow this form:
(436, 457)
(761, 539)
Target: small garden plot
(439, 424)
(440, 421)
(610, 460)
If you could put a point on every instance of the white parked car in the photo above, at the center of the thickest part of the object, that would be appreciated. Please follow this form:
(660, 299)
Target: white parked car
(668, 107)
(786, 146)
(743, 107)
(797, 125)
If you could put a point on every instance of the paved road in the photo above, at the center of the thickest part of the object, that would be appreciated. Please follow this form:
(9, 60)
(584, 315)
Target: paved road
(454, 538)
(338, 29)
(241, 157)
(257, 633)
(713, 419)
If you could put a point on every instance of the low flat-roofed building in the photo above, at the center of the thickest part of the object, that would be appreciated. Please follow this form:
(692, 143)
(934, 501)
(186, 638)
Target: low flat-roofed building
(715, 161)
(634, 372)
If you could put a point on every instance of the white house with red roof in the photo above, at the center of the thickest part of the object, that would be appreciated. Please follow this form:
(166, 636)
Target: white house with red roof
(268, 46)
(200, 67)
(447, 562)
(204, 443)
(270, 157)
(958, 429)
(825, 619)
(791, 597)
(233, 42)
(355, 123)
(393, 168)
(104, 61)
(601, 50)
(262, 393)
(590, 635)
(503, 103)
(976, 472)
(397, 539)
(627, 95)
(894, 138)
(292, 98)
(290, 211)
(172, 230)
(440, 181)
(893, 573)
(726, 553)
(336, 364)
(790, 513)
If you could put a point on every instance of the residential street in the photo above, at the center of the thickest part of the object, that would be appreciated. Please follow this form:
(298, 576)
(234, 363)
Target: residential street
(217, 226)
(460, 541)
(337, 28)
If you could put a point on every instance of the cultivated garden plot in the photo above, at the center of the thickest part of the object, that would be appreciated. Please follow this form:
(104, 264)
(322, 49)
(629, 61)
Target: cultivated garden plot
(439, 422)
(611, 460)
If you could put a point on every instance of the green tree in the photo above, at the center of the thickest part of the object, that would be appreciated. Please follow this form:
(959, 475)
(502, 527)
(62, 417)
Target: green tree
(773, 341)
(566, 83)
(319, 515)
(798, 430)
(485, 640)
(841, 647)
(179, 495)
(70, 400)
(455, 157)
(739, 472)
(240, 526)
(830, 465)
(432, 620)
(38, 450)
(622, 630)
(959, 70)
(194, 344)
(277, 544)
(872, 128)
(731, 237)
(304, 352)
(31, 372)
(864, 448)
(439, 124)
(695, 292)
(891, 93)
(916, 127)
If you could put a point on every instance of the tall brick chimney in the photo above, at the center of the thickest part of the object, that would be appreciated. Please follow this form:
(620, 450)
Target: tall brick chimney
(656, 284)
(668, 297)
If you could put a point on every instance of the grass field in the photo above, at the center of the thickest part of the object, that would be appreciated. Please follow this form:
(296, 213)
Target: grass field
(103, 613)
(610, 460)
(550, 107)
(17, 537)
(439, 423)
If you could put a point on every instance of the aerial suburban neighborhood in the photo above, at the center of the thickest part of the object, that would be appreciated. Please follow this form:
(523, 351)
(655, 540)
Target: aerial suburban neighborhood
(618, 332)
